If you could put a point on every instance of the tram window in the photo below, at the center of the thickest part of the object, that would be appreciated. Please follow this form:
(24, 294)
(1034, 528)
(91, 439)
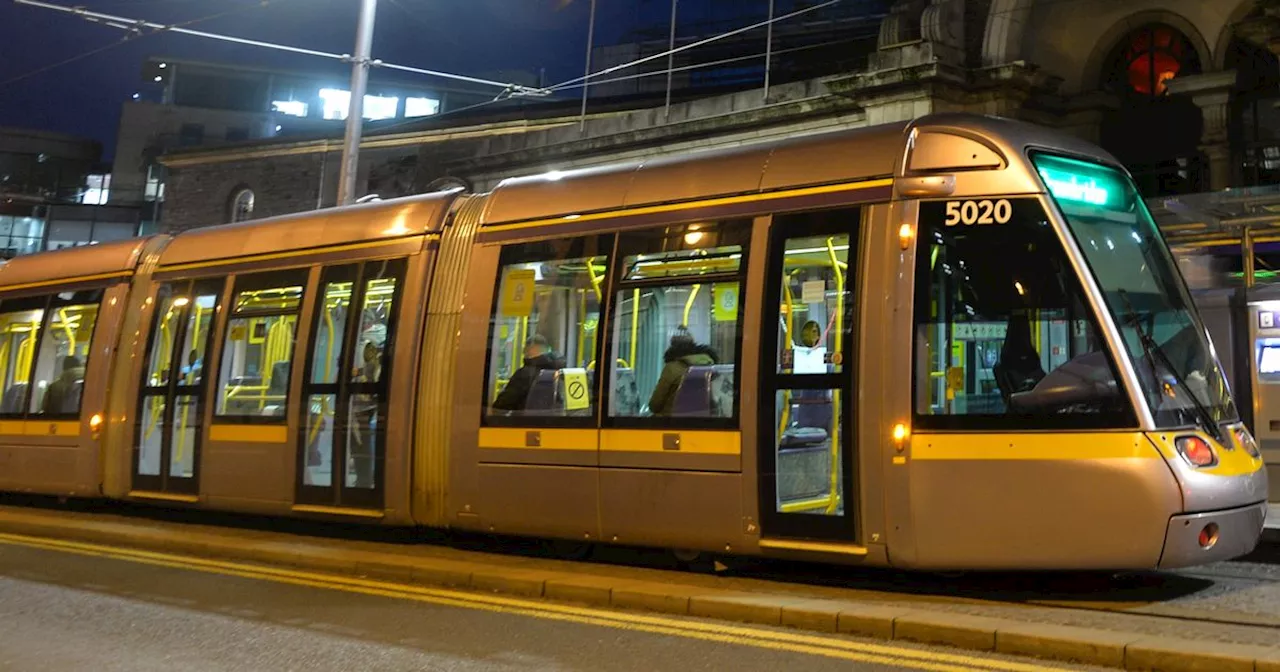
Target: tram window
(544, 330)
(20, 322)
(1004, 337)
(257, 355)
(168, 315)
(817, 305)
(331, 327)
(375, 316)
(676, 327)
(199, 323)
(64, 352)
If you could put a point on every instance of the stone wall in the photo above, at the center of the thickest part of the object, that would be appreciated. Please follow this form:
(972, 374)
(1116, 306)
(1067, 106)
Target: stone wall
(200, 195)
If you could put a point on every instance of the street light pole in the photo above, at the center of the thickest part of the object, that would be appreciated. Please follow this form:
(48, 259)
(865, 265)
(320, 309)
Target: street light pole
(355, 111)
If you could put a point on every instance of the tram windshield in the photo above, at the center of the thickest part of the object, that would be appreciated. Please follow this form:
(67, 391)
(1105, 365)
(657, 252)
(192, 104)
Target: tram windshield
(1145, 296)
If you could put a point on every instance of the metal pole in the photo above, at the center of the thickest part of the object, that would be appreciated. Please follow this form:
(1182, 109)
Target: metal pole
(671, 56)
(355, 111)
(591, 38)
(768, 52)
(1246, 250)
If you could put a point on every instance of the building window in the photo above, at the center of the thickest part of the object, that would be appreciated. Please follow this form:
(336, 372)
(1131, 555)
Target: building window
(242, 205)
(421, 107)
(377, 108)
(1149, 57)
(293, 108)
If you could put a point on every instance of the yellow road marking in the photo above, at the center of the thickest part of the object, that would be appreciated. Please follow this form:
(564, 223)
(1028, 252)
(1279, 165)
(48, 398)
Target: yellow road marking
(713, 632)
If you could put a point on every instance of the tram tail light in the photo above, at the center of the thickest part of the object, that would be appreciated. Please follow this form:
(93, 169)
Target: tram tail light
(1196, 451)
(1248, 443)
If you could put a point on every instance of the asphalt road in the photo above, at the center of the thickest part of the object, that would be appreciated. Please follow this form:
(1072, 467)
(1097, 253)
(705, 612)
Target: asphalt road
(75, 611)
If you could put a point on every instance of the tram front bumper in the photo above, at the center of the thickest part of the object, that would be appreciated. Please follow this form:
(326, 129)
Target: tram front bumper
(1201, 538)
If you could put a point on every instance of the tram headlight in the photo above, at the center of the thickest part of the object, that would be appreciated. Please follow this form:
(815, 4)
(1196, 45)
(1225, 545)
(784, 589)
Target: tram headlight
(1196, 451)
(1247, 442)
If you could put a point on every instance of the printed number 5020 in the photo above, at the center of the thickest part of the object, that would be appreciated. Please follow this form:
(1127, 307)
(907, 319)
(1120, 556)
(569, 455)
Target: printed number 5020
(979, 212)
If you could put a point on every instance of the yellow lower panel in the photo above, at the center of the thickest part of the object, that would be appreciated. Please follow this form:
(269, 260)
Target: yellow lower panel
(59, 428)
(62, 428)
(545, 439)
(658, 441)
(249, 433)
(1040, 446)
(337, 511)
(163, 496)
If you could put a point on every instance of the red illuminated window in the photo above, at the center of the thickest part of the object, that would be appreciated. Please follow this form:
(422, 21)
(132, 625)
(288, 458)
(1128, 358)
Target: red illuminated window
(1149, 57)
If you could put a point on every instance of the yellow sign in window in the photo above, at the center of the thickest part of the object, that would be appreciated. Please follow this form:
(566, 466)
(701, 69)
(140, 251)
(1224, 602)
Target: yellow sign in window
(726, 302)
(577, 393)
(517, 293)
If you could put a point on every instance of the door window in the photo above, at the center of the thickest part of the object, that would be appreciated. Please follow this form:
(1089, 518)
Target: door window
(257, 355)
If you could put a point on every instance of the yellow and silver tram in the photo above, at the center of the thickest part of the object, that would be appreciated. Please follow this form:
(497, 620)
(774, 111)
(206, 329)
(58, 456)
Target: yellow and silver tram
(953, 343)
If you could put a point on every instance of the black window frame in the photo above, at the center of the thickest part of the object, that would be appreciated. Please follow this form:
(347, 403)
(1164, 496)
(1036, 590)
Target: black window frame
(48, 303)
(523, 252)
(1126, 419)
(249, 282)
(633, 242)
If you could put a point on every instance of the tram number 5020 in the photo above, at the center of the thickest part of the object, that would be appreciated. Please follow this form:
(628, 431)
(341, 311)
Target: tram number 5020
(970, 213)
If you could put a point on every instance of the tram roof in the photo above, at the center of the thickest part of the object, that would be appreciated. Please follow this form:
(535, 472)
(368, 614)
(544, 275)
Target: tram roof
(316, 229)
(847, 155)
(91, 261)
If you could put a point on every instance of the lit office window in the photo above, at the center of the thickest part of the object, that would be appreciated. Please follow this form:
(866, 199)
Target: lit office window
(421, 107)
(377, 108)
(336, 103)
(293, 108)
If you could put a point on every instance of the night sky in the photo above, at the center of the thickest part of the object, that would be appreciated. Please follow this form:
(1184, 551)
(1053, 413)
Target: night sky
(464, 36)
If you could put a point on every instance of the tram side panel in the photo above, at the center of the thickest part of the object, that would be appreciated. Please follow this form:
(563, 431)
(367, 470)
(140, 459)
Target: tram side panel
(530, 471)
(56, 353)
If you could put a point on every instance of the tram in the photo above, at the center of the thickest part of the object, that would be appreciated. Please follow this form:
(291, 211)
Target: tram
(954, 343)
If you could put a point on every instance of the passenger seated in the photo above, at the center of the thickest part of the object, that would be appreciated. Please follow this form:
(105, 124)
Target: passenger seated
(63, 395)
(538, 357)
(682, 355)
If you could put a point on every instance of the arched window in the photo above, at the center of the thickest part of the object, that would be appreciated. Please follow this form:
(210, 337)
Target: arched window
(1148, 58)
(241, 205)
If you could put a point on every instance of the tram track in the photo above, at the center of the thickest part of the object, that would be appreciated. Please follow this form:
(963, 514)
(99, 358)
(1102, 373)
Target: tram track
(1181, 595)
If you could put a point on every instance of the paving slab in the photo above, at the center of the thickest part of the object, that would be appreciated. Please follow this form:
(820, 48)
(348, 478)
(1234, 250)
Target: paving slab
(1109, 636)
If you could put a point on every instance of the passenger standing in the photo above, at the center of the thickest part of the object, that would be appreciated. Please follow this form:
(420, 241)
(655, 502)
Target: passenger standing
(364, 412)
(683, 354)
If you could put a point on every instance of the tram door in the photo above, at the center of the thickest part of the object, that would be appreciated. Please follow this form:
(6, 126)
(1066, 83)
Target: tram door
(807, 425)
(342, 454)
(166, 456)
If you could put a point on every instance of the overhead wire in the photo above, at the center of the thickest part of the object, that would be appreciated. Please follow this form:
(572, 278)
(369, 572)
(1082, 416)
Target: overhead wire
(131, 37)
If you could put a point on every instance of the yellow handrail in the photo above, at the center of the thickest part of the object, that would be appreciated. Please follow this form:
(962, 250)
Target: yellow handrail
(635, 323)
(66, 328)
(834, 502)
(582, 327)
(688, 305)
(595, 279)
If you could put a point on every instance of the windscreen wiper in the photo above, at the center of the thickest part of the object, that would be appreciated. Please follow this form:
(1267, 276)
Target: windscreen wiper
(1152, 351)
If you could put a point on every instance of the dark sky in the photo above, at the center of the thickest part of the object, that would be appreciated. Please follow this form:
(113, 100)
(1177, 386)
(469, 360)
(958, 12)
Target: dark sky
(465, 36)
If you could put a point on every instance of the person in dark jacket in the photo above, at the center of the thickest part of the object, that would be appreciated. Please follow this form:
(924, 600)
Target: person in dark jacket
(537, 357)
(62, 397)
(682, 355)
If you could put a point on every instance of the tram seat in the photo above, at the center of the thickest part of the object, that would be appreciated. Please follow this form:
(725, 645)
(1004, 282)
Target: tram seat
(279, 385)
(722, 390)
(811, 415)
(71, 402)
(1019, 367)
(544, 396)
(693, 399)
(12, 400)
(626, 393)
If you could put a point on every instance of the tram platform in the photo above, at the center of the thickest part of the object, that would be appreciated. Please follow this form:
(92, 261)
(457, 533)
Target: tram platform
(1139, 622)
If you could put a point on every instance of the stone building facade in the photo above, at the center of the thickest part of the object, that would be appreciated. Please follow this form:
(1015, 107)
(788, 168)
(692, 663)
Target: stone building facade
(1183, 91)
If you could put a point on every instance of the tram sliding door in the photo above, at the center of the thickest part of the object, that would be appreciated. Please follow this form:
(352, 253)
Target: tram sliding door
(342, 456)
(807, 390)
(171, 403)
